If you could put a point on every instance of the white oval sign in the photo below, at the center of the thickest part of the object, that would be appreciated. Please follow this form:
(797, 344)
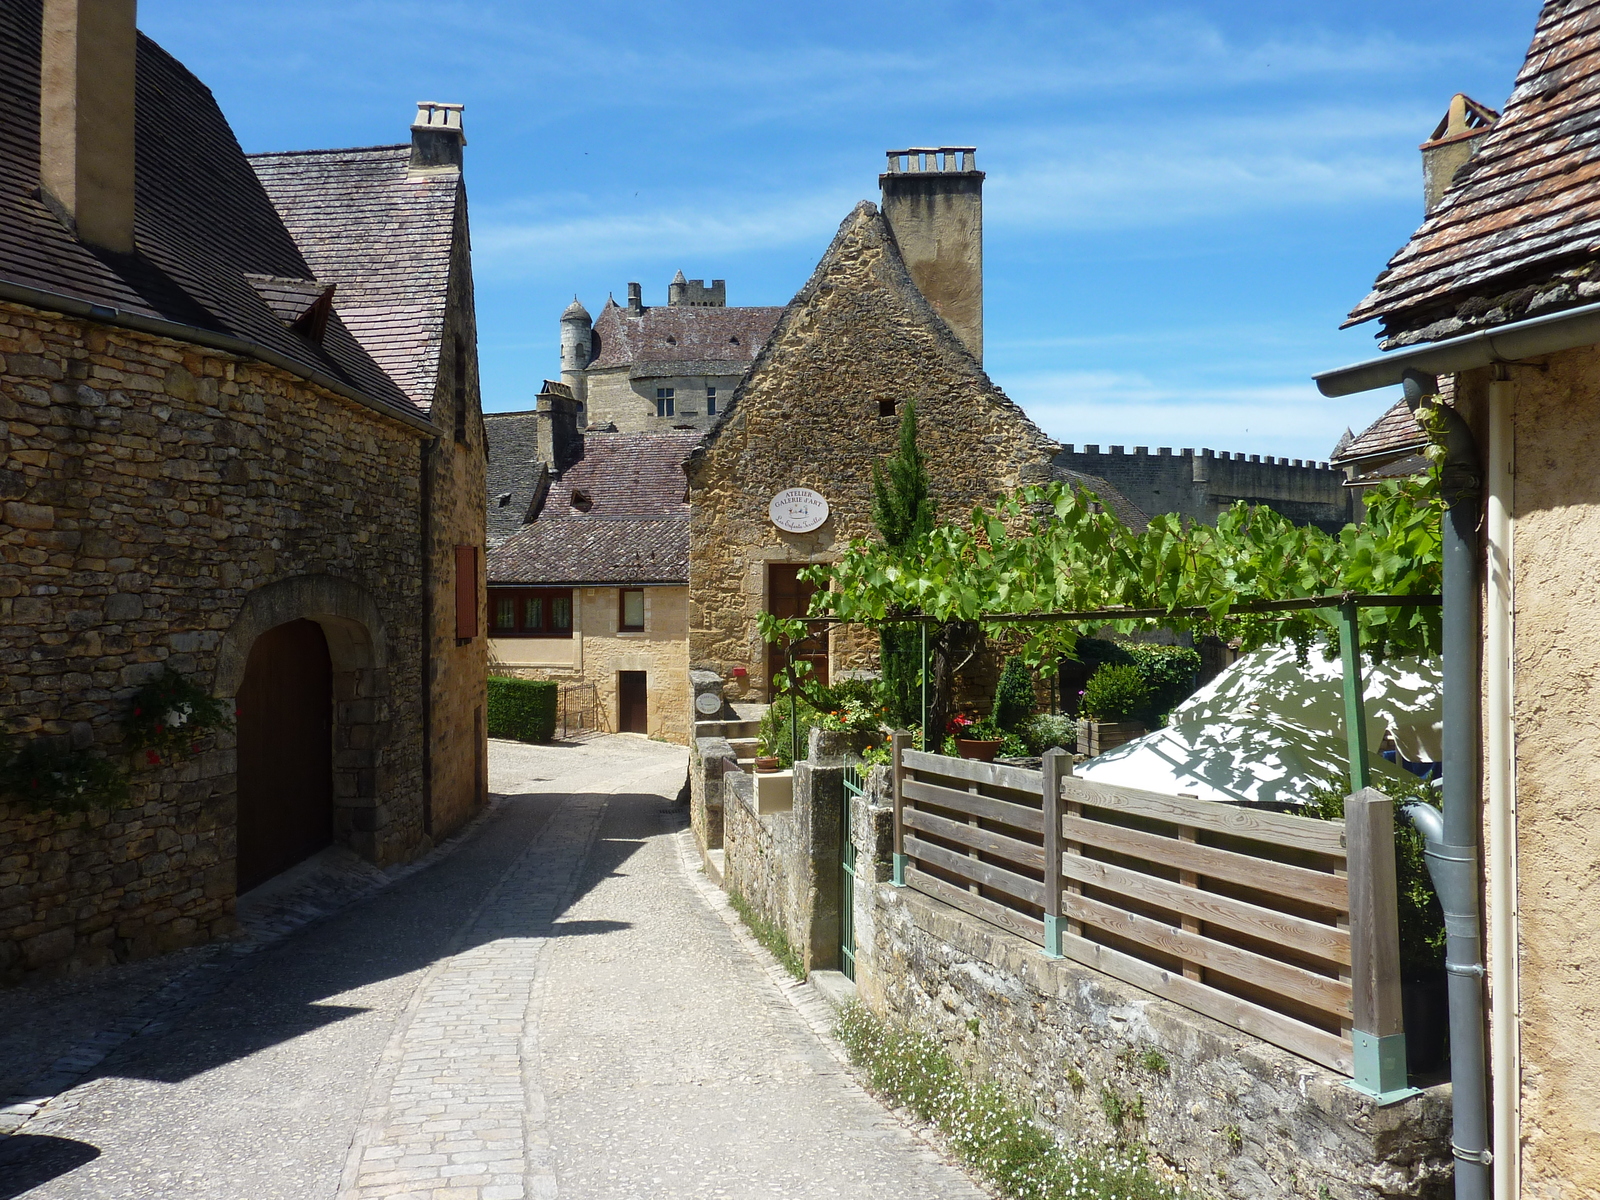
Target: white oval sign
(798, 510)
(708, 703)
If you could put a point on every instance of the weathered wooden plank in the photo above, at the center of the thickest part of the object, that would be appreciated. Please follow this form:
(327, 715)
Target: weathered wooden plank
(1297, 1037)
(1297, 933)
(1279, 829)
(992, 911)
(997, 844)
(900, 742)
(970, 771)
(1019, 816)
(1057, 765)
(1318, 991)
(1020, 886)
(1374, 921)
(1317, 887)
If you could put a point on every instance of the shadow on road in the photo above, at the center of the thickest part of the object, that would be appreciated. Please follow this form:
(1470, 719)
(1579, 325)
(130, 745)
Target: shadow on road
(302, 984)
(28, 1160)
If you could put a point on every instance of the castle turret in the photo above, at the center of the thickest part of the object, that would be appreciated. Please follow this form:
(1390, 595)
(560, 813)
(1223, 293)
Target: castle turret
(577, 341)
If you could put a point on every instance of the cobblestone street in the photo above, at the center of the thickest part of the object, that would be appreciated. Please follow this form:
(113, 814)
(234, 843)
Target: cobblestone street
(560, 1005)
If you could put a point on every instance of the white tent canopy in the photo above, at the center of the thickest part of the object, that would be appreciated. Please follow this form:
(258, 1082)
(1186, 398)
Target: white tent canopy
(1270, 728)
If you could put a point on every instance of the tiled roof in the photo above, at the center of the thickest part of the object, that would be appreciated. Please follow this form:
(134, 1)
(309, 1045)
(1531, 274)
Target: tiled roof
(1115, 502)
(1525, 206)
(618, 515)
(383, 233)
(512, 470)
(666, 340)
(1395, 433)
(203, 223)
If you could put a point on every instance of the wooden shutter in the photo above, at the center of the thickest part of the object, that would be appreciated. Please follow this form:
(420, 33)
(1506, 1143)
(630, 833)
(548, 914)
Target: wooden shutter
(466, 592)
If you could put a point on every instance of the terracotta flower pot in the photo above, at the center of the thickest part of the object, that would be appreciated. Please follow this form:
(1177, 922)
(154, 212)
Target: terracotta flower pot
(766, 764)
(982, 750)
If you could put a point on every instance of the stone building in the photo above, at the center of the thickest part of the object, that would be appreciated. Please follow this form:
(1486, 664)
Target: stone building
(241, 434)
(1494, 306)
(1390, 448)
(822, 403)
(592, 592)
(1200, 486)
(644, 368)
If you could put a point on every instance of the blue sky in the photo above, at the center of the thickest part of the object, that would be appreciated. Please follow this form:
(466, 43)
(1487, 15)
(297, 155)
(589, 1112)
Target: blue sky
(1183, 199)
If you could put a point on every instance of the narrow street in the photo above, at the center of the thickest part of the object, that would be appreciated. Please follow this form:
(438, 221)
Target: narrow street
(556, 1008)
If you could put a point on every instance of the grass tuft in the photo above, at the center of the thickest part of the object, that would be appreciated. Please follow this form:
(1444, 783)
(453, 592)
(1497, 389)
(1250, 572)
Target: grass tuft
(769, 935)
(989, 1133)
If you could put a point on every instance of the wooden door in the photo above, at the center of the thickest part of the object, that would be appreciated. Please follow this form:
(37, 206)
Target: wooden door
(790, 596)
(285, 752)
(633, 702)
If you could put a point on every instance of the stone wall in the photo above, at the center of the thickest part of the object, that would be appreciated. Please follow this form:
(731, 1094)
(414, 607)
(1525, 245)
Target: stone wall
(1234, 1116)
(1201, 486)
(597, 650)
(160, 502)
(615, 395)
(1556, 661)
(820, 405)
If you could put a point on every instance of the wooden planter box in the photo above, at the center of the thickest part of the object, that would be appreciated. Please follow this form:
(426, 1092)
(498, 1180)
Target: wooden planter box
(1096, 737)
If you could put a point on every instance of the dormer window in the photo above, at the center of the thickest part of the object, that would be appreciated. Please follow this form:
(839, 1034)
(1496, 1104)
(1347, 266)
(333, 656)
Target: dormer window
(582, 500)
(734, 340)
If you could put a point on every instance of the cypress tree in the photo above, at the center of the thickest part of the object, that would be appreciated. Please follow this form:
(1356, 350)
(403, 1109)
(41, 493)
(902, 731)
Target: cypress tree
(903, 512)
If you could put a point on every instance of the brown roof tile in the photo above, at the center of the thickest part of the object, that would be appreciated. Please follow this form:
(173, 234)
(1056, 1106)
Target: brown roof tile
(203, 225)
(1528, 202)
(666, 340)
(1395, 433)
(383, 233)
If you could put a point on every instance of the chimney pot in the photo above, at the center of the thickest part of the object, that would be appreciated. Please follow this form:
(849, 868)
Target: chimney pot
(1455, 140)
(88, 61)
(437, 135)
(934, 207)
(635, 298)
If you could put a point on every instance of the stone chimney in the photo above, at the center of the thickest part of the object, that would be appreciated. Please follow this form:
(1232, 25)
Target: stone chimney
(635, 300)
(933, 201)
(437, 137)
(88, 56)
(560, 438)
(1454, 141)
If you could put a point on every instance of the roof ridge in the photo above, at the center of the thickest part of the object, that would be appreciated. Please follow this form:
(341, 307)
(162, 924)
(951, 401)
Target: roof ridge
(331, 150)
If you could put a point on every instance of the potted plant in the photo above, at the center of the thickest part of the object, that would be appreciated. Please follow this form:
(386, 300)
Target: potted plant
(978, 740)
(1109, 700)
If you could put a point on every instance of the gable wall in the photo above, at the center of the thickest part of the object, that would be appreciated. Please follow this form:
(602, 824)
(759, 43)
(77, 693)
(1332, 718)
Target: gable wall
(807, 416)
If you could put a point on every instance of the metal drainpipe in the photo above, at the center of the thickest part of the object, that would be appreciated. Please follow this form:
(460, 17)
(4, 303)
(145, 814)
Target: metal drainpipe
(1452, 836)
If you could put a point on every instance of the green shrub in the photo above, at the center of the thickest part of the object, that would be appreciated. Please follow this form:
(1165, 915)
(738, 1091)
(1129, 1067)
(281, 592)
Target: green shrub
(1047, 731)
(1013, 695)
(523, 710)
(1115, 693)
(776, 738)
(1171, 673)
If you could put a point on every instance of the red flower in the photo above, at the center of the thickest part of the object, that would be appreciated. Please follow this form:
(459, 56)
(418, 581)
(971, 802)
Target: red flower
(137, 711)
(159, 727)
(151, 756)
(194, 748)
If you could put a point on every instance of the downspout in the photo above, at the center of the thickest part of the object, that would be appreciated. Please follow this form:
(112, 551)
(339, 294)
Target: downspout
(425, 529)
(1504, 969)
(1452, 836)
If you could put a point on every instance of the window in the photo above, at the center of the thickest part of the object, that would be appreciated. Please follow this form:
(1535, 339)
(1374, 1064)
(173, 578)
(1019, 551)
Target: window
(886, 408)
(531, 612)
(466, 593)
(630, 615)
(664, 403)
(711, 402)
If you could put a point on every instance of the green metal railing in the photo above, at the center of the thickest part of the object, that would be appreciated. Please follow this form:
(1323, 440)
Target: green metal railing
(854, 785)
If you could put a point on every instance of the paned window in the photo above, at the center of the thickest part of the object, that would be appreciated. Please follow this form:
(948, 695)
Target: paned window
(630, 614)
(531, 612)
(711, 402)
(665, 402)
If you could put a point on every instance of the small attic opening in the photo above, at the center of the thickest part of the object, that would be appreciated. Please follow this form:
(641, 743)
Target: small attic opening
(886, 408)
(505, 500)
(582, 500)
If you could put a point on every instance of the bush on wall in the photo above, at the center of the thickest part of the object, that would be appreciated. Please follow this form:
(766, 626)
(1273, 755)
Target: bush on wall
(523, 710)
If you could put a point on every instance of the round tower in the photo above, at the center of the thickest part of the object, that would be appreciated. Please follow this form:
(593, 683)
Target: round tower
(577, 336)
(676, 290)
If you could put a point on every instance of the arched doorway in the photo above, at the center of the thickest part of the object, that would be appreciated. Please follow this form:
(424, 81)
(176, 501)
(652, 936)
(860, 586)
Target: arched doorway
(285, 773)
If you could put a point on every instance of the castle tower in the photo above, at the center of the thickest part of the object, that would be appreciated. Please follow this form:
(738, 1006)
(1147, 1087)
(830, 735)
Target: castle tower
(933, 201)
(577, 334)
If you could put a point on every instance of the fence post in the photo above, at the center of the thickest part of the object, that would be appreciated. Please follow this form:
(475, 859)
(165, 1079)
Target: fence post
(1056, 764)
(900, 740)
(1378, 1038)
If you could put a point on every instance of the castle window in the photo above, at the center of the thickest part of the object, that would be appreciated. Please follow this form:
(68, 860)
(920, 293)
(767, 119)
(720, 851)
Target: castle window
(664, 403)
(711, 402)
(886, 408)
(630, 613)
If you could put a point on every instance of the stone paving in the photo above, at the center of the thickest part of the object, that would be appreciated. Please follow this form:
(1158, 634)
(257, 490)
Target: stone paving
(563, 1006)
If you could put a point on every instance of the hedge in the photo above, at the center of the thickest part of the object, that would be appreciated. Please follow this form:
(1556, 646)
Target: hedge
(522, 709)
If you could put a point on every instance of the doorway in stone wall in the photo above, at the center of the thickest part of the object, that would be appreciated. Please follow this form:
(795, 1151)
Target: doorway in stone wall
(285, 775)
(790, 596)
(633, 702)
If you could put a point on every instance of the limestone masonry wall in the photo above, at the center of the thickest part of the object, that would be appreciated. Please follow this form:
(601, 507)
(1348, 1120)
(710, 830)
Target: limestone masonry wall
(154, 492)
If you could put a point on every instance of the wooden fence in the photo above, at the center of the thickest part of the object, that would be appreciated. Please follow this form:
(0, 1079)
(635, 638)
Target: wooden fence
(1281, 926)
